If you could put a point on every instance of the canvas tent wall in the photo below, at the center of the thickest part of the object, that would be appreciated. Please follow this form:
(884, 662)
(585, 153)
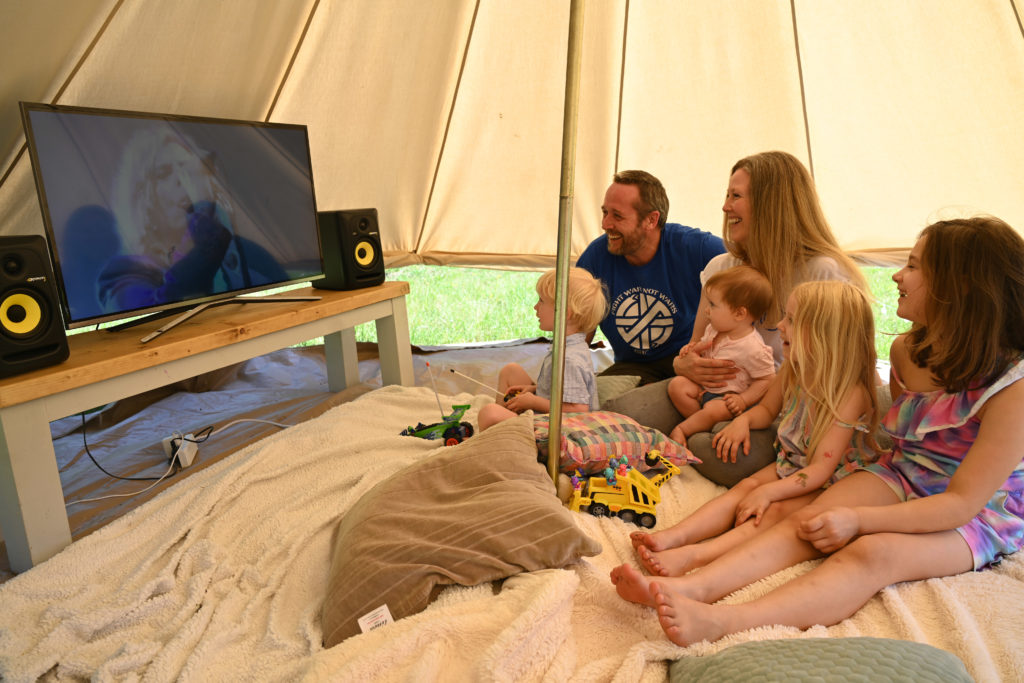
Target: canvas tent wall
(447, 115)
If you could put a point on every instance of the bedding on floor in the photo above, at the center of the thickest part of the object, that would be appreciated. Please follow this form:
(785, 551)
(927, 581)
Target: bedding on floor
(225, 576)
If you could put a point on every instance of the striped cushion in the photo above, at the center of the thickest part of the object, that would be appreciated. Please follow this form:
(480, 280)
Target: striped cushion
(479, 511)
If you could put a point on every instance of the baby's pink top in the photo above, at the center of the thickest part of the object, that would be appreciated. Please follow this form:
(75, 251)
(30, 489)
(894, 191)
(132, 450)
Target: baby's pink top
(754, 359)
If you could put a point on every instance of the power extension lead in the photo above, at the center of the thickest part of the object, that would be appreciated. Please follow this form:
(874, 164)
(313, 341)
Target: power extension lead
(183, 450)
(171, 444)
(187, 453)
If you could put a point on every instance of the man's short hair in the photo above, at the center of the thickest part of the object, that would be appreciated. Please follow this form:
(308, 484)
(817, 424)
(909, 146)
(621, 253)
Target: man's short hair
(652, 194)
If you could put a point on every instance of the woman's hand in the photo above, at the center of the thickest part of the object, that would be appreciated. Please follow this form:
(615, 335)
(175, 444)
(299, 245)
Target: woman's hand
(710, 373)
(830, 530)
(730, 440)
(754, 504)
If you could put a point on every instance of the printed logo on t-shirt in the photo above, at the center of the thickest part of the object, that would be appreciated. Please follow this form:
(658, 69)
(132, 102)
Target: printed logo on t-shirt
(643, 318)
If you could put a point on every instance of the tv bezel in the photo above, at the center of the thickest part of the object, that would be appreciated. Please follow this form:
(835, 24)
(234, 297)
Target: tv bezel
(174, 306)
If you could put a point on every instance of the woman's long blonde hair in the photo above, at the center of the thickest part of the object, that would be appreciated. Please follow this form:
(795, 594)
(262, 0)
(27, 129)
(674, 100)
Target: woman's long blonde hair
(788, 227)
(832, 355)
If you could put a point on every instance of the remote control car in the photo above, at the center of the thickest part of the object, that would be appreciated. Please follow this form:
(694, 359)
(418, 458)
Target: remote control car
(450, 429)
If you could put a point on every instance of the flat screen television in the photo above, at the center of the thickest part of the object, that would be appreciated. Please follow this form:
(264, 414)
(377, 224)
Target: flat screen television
(153, 212)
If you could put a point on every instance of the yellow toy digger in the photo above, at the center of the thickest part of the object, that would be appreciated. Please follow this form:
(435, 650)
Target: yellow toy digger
(629, 493)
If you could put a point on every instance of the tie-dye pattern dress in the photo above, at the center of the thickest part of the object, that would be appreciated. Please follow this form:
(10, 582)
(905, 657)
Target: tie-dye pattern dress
(932, 432)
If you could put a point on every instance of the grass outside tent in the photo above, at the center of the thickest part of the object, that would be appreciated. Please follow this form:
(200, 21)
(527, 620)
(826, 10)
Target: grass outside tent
(450, 305)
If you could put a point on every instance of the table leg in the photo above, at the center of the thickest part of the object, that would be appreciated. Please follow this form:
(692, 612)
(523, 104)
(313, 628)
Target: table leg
(32, 513)
(342, 359)
(393, 345)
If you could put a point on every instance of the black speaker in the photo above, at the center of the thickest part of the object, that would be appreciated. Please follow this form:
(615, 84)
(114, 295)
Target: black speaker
(31, 329)
(350, 241)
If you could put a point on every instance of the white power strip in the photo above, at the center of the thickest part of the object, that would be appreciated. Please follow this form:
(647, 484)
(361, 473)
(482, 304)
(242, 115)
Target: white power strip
(184, 449)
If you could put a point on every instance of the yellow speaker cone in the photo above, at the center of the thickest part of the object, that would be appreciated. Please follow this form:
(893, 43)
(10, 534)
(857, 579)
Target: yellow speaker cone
(365, 254)
(20, 314)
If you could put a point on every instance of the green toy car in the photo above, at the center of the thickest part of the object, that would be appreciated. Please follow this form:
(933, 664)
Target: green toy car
(450, 429)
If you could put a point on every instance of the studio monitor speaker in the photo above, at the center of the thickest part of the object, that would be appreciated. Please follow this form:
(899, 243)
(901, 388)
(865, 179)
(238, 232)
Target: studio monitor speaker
(31, 329)
(350, 241)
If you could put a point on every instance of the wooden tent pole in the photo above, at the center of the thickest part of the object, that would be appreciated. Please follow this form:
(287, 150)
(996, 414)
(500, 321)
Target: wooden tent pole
(572, 87)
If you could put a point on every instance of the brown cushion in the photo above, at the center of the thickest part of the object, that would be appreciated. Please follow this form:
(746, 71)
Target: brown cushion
(479, 511)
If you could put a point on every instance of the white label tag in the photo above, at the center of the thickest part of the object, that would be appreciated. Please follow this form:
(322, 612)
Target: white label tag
(375, 619)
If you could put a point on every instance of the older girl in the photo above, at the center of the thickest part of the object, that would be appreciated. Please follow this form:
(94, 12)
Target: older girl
(950, 497)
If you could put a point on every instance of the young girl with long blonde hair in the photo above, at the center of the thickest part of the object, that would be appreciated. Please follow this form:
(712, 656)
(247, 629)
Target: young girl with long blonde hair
(825, 391)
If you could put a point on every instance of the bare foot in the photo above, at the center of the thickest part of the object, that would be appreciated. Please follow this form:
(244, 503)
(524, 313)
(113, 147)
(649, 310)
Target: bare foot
(671, 562)
(678, 435)
(632, 585)
(659, 540)
(686, 621)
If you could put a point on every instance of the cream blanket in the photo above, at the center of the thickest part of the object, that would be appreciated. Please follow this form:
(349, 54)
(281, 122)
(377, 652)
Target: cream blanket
(221, 577)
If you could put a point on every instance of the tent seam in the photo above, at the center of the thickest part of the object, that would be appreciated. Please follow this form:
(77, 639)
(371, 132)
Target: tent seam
(67, 81)
(622, 86)
(447, 129)
(803, 92)
(291, 62)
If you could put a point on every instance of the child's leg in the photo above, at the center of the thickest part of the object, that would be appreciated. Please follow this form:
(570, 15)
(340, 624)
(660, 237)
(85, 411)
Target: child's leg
(680, 560)
(712, 518)
(511, 375)
(713, 412)
(491, 414)
(684, 395)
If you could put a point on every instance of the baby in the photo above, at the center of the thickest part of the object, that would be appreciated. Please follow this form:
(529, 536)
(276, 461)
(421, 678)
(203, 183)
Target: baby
(737, 298)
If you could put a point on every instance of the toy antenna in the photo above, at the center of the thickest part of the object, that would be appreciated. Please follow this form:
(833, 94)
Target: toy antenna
(485, 386)
(438, 398)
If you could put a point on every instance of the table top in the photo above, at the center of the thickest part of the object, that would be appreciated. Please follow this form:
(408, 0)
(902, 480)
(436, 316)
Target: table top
(101, 354)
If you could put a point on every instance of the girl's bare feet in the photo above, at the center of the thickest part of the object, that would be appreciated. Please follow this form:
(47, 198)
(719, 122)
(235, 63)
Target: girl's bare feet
(671, 562)
(686, 621)
(659, 540)
(632, 585)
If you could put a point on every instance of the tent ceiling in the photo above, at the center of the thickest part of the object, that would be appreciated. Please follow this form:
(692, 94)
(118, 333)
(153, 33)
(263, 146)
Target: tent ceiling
(447, 115)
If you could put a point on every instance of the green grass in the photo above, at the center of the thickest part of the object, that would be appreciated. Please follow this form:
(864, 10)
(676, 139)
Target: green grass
(449, 305)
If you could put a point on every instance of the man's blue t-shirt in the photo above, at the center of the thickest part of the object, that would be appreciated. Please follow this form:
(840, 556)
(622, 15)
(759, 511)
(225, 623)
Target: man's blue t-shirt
(653, 305)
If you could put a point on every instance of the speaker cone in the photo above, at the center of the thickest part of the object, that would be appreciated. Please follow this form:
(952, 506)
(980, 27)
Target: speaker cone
(20, 315)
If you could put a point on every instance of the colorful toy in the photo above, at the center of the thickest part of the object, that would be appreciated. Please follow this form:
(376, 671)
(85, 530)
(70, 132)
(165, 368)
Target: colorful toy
(449, 428)
(632, 495)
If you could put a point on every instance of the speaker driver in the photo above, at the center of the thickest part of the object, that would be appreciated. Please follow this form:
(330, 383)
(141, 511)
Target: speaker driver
(20, 315)
(365, 253)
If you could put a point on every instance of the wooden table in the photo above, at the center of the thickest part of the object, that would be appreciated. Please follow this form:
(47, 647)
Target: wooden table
(108, 366)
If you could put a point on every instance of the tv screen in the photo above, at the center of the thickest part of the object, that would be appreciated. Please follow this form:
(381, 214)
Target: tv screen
(147, 212)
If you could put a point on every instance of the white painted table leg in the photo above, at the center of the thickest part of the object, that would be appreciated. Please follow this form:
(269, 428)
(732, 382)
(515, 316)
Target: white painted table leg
(394, 347)
(32, 514)
(342, 359)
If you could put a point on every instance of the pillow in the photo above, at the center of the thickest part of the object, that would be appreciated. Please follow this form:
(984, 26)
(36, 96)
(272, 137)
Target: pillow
(610, 386)
(823, 660)
(590, 440)
(649, 405)
(479, 511)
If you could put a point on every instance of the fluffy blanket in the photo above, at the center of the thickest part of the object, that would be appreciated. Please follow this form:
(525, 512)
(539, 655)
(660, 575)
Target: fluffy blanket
(223, 576)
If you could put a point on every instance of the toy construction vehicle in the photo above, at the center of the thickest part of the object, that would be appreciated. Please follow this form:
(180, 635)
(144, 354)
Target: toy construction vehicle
(630, 494)
(449, 429)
